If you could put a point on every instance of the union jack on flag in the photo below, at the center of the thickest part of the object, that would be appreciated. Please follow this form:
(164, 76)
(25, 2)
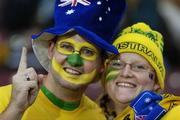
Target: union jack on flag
(74, 2)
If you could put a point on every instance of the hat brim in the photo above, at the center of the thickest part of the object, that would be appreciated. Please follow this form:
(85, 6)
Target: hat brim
(40, 42)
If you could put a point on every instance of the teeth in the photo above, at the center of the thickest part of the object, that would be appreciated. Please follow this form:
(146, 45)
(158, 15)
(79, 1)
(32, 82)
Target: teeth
(122, 84)
(71, 71)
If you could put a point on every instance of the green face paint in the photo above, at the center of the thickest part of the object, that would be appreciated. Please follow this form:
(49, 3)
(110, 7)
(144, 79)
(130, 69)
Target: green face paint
(111, 74)
(75, 79)
(75, 60)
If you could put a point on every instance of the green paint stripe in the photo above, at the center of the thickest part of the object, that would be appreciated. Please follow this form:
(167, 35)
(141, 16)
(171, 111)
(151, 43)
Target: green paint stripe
(112, 75)
(110, 69)
(69, 106)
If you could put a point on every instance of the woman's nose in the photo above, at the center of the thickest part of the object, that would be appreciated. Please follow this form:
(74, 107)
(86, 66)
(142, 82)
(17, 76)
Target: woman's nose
(126, 71)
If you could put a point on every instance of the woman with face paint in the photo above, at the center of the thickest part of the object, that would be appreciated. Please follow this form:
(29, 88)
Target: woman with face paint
(72, 52)
(134, 78)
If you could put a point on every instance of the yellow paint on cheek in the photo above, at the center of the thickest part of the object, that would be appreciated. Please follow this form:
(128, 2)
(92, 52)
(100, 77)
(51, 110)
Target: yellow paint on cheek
(111, 74)
(75, 79)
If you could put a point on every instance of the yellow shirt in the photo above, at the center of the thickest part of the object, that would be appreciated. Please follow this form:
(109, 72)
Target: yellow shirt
(44, 109)
(173, 114)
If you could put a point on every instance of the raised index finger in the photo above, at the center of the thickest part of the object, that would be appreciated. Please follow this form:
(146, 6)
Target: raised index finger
(23, 60)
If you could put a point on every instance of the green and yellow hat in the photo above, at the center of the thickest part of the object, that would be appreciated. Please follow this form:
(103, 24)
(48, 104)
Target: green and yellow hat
(141, 39)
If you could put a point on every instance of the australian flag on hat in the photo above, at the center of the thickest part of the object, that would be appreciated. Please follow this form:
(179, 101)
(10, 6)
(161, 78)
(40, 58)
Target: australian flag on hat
(96, 20)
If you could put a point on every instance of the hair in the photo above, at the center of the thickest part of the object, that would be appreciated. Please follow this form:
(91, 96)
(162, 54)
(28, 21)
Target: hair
(105, 103)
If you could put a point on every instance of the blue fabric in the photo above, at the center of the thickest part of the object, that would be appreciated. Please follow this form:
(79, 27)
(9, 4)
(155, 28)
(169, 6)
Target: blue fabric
(96, 20)
(146, 106)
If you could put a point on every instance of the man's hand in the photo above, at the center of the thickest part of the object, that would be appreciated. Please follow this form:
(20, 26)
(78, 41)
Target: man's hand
(25, 87)
(25, 84)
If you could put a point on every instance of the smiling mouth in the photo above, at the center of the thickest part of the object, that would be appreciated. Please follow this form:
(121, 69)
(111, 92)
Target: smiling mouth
(72, 71)
(125, 84)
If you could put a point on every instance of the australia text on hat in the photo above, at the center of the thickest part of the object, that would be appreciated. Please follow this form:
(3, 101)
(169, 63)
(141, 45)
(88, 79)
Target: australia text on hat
(74, 2)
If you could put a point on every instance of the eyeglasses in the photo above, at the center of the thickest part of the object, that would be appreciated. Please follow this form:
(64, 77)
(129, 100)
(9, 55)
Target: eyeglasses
(136, 67)
(84, 50)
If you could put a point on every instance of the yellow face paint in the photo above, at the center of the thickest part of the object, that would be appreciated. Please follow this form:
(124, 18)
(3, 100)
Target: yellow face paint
(75, 79)
(69, 46)
(111, 74)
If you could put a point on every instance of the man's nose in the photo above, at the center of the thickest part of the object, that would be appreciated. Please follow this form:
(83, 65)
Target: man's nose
(75, 60)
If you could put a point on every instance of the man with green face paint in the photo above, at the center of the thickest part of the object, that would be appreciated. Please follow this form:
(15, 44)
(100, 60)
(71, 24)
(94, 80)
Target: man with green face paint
(72, 52)
(77, 56)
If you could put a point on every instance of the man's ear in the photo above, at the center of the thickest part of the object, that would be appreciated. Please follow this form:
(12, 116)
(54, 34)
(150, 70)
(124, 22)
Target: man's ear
(51, 49)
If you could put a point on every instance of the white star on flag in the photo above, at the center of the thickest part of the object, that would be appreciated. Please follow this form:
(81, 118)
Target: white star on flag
(69, 12)
(150, 108)
(147, 100)
(74, 2)
(99, 3)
